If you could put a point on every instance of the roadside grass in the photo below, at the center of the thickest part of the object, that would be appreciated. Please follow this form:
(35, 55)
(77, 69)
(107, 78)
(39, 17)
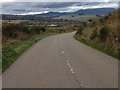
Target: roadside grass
(100, 47)
(13, 51)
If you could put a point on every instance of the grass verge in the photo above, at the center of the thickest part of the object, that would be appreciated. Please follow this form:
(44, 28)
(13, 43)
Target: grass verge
(12, 52)
(105, 49)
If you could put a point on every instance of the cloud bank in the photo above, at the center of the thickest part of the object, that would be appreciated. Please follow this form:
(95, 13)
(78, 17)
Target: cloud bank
(60, 0)
(29, 8)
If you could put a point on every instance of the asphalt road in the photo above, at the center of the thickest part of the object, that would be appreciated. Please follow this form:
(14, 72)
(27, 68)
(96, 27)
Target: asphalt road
(62, 62)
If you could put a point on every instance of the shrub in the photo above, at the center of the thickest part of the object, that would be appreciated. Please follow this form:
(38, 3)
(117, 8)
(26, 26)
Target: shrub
(93, 22)
(101, 20)
(80, 30)
(103, 34)
(43, 29)
(106, 17)
(37, 29)
(94, 34)
(24, 28)
(85, 24)
(10, 30)
(90, 20)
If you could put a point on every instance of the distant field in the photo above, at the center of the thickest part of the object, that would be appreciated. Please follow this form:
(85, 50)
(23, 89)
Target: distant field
(77, 17)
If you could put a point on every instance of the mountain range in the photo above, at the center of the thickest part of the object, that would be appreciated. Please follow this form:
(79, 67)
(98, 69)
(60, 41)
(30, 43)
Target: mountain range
(97, 11)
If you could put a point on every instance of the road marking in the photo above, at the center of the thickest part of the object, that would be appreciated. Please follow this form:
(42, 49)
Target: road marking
(62, 52)
(68, 64)
(72, 70)
(81, 85)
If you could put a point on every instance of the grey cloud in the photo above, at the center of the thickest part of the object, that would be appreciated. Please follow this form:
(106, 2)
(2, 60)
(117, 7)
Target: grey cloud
(26, 7)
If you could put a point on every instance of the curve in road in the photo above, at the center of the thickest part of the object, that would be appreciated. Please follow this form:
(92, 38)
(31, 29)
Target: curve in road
(62, 62)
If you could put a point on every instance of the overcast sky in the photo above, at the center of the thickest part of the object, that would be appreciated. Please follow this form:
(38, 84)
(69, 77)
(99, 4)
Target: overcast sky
(19, 7)
(59, 0)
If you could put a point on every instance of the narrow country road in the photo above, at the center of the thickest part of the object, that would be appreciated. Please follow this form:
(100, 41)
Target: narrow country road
(60, 61)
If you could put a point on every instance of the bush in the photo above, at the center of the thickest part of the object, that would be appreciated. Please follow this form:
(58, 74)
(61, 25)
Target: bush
(24, 29)
(37, 29)
(10, 30)
(80, 30)
(13, 30)
(93, 22)
(85, 24)
(103, 34)
(94, 34)
(106, 17)
(101, 20)
(90, 20)
(43, 29)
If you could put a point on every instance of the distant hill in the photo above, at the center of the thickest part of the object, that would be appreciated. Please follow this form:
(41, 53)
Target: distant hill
(99, 11)
(53, 14)
(24, 17)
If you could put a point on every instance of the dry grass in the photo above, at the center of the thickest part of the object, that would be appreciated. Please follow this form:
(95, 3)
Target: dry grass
(110, 36)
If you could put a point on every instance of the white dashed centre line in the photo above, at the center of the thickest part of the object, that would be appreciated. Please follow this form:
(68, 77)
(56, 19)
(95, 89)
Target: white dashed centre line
(72, 70)
(62, 52)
